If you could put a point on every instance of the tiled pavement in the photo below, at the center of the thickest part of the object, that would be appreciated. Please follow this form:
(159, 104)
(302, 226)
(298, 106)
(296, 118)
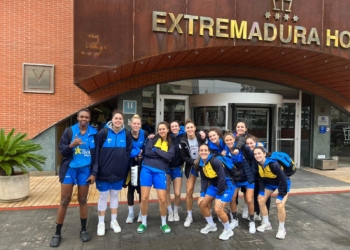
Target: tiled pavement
(317, 221)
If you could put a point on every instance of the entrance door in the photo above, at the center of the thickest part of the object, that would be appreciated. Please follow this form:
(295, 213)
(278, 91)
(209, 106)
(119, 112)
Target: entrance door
(257, 121)
(173, 108)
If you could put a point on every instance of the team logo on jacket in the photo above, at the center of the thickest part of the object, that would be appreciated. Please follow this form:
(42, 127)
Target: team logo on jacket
(109, 140)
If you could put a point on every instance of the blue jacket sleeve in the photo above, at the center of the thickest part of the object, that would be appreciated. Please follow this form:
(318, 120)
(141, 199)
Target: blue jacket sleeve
(166, 156)
(282, 179)
(204, 183)
(98, 147)
(220, 171)
(148, 150)
(63, 146)
(135, 152)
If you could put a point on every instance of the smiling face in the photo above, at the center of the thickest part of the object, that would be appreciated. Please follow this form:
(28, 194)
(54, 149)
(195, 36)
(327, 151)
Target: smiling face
(259, 155)
(135, 124)
(117, 121)
(83, 119)
(163, 131)
(190, 129)
(250, 143)
(204, 152)
(241, 128)
(229, 140)
(174, 128)
(213, 137)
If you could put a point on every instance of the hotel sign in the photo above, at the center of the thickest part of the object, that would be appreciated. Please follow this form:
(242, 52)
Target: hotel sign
(38, 78)
(235, 29)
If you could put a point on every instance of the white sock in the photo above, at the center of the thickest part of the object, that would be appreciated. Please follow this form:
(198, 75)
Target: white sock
(101, 219)
(131, 209)
(246, 206)
(226, 225)
(189, 213)
(176, 209)
(170, 209)
(113, 217)
(281, 225)
(144, 220)
(210, 220)
(163, 220)
(266, 220)
(231, 215)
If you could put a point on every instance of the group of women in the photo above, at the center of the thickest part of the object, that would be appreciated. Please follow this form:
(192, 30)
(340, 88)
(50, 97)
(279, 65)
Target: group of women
(225, 163)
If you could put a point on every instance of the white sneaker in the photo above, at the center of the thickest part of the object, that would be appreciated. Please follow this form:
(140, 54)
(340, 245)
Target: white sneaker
(188, 221)
(252, 228)
(139, 219)
(257, 217)
(234, 223)
(264, 227)
(101, 229)
(171, 217)
(245, 212)
(209, 228)
(130, 218)
(226, 234)
(281, 234)
(176, 216)
(115, 226)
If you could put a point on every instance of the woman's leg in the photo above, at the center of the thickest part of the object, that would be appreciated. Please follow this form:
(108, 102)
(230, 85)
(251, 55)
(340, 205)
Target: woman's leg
(162, 201)
(114, 203)
(249, 196)
(220, 211)
(233, 205)
(189, 198)
(204, 207)
(265, 225)
(83, 209)
(281, 217)
(144, 199)
(177, 182)
(131, 197)
(66, 194)
(168, 199)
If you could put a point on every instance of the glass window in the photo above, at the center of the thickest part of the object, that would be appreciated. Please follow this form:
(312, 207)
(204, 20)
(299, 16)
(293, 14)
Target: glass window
(306, 106)
(207, 117)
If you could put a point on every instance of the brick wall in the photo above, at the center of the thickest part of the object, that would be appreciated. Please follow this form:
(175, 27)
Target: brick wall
(36, 32)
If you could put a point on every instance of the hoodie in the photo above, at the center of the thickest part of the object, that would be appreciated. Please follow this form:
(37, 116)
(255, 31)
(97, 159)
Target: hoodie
(271, 173)
(177, 161)
(67, 152)
(112, 155)
(213, 172)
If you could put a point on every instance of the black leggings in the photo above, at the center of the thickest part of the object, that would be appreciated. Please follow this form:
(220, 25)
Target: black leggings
(256, 203)
(131, 192)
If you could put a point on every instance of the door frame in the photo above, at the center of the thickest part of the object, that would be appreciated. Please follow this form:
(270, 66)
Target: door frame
(160, 105)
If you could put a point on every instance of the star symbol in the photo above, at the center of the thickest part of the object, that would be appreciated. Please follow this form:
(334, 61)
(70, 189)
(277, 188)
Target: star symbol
(267, 15)
(286, 17)
(77, 151)
(277, 16)
(295, 18)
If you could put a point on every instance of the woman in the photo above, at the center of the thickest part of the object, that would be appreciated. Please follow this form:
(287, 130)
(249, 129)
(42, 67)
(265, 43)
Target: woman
(271, 177)
(246, 178)
(159, 152)
(252, 142)
(175, 172)
(189, 144)
(138, 137)
(215, 185)
(110, 168)
(76, 146)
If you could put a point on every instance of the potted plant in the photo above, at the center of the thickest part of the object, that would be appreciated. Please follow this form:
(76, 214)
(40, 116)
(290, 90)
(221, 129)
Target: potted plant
(16, 156)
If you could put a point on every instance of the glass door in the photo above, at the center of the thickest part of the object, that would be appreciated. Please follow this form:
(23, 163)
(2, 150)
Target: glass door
(257, 121)
(173, 108)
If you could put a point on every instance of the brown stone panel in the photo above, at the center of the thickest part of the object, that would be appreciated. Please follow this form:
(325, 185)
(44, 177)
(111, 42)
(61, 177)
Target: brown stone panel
(115, 74)
(140, 66)
(243, 54)
(88, 85)
(228, 53)
(103, 32)
(331, 66)
(127, 70)
(297, 62)
(206, 56)
(313, 64)
(149, 43)
(334, 77)
(101, 80)
(153, 62)
(275, 55)
(193, 56)
(285, 60)
(82, 72)
(336, 17)
(214, 9)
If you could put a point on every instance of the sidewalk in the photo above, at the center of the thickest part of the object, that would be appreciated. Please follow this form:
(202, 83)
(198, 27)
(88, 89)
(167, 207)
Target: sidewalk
(317, 221)
(45, 190)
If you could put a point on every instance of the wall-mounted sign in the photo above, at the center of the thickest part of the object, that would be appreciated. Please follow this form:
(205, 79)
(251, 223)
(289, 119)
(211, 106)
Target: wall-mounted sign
(323, 129)
(129, 107)
(323, 120)
(38, 78)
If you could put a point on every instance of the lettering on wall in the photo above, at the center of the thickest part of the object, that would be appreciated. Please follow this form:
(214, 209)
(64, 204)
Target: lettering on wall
(241, 29)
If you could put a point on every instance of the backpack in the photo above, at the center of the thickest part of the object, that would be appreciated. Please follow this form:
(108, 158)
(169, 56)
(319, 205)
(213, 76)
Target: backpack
(286, 163)
(234, 171)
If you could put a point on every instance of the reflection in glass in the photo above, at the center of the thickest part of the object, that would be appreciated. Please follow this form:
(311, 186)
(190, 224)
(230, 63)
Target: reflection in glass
(207, 117)
(174, 110)
(306, 106)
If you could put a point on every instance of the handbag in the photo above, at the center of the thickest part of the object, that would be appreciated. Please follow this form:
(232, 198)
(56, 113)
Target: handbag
(135, 175)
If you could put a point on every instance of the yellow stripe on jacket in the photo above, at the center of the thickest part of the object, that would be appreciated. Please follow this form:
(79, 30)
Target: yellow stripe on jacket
(208, 171)
(266, 172)
(163, 145)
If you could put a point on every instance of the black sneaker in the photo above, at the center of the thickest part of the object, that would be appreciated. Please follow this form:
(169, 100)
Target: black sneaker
(55, 241)
(85, 236)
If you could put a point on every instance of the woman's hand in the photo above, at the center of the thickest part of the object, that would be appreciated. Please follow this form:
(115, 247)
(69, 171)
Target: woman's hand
(223, 152)
(77, 141)
(200, 200)
(202, 134)
(151, 136)
(219, 205)
(91, 179)
(236, 151)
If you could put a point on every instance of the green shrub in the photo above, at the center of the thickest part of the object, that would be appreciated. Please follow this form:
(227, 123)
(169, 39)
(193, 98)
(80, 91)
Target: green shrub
(16, 151)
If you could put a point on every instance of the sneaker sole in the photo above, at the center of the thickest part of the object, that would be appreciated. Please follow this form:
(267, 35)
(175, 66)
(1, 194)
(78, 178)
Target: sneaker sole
(209, 231)
(261, 231)
(226, 238)
(100, 234)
